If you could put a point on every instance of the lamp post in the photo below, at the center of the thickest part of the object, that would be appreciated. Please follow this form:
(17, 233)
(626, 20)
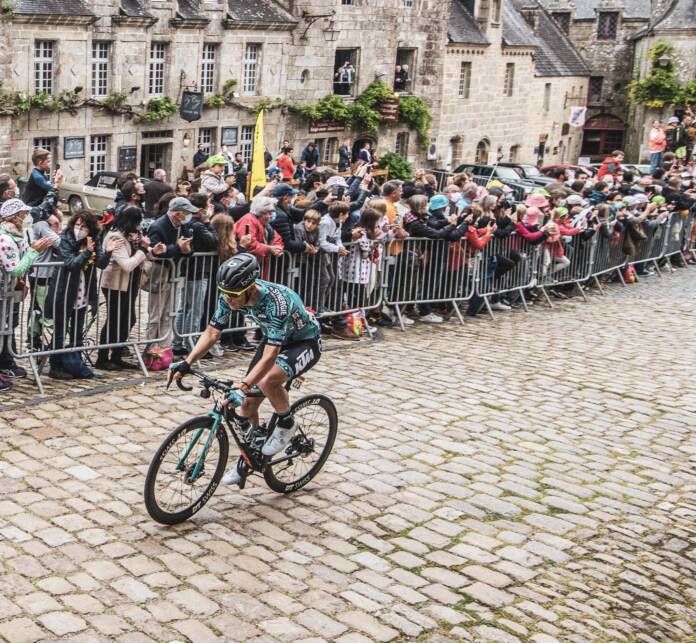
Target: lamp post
(330, 33)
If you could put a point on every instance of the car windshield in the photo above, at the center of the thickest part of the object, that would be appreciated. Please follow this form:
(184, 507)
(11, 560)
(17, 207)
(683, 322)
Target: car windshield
(107, 182)
(530, 170)
(507, 173)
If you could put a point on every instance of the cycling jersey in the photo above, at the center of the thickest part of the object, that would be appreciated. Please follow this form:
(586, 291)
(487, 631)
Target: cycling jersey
(279, 312)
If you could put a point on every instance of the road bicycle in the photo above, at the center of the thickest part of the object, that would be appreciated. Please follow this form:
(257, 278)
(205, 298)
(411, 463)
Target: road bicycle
(188, 466)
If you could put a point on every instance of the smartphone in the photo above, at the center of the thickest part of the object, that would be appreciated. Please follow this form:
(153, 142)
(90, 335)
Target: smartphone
(247, 229)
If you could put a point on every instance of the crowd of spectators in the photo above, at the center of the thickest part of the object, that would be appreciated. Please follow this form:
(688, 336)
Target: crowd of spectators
(334, 227)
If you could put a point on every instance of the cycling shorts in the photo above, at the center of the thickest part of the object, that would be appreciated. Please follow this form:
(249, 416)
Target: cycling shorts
(294, 359)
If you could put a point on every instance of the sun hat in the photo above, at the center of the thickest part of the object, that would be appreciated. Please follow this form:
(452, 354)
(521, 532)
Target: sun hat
(216, 159)
(437, 202)
(537, 201)
(11, 207)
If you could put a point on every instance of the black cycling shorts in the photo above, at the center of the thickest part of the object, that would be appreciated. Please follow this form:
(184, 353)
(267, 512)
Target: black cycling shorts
(294, 359)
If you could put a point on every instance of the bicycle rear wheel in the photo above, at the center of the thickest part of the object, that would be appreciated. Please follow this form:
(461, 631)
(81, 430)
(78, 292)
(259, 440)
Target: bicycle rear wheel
(172, 495)
(293, 468)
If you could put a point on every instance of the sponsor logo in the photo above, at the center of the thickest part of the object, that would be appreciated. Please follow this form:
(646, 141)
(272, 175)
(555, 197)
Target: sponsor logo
(312, 401)
(304, 358)
(299, 483)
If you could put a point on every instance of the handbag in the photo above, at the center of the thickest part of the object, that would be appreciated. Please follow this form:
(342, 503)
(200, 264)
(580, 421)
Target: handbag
(158, 358)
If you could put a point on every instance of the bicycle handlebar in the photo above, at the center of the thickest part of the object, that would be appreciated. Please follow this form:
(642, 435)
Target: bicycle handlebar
(207, 382)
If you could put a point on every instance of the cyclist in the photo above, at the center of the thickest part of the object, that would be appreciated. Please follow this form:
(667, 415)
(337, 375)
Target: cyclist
(290, 346)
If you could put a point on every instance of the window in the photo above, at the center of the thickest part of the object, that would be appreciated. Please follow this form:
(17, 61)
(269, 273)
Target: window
(401, 147)
(495, 17)
(565, 129)
(345, 71)
(547, 96)
(562, 19)
(43, 67)
(158, 52)
(514, 153)
(246, 142)
(206, 138)
(509, 83)
(403, 70)
(252, 54)
(408, 4)
(607, 24)
(97, 154)
(100, 69)
(329, 152)
(465, 80)
(208, 68)
(482, 149)
(346, 3)
(595, 90)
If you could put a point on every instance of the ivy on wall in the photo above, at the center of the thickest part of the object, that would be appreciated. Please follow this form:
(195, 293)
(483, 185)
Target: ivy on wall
(662, 85)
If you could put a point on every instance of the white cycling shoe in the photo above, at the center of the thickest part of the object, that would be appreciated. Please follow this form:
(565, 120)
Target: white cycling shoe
(232, 476)
(280, 439)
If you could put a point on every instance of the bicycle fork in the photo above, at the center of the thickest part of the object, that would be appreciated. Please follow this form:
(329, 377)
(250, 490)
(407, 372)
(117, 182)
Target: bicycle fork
(204, 453)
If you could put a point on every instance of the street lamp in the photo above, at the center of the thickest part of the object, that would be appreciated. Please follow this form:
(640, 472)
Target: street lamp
(330, 33)
(664, 60)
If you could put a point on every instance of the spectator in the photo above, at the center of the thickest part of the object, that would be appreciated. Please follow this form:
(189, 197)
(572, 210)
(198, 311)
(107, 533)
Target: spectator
(310, 155)
(285, 218)
(300, 172)
(365, 155)
(155, 190)
(213, 179)
(130, 195)
(120, 283)
(227, 203)
(307, 231)
(286, 164)
(38, 185)
(241, 172)
(73, 289)
(344, 155)
(264, 241)
(174, 231)
(344, 78)
(16, 258)
(657, 142)
(675, 134)
(200, 157)
(611, 166)
(197, 271)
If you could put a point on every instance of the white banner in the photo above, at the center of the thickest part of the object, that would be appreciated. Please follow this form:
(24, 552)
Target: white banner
(577, 116)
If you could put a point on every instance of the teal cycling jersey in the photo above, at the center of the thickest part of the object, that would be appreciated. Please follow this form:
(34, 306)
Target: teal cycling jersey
(279, 312)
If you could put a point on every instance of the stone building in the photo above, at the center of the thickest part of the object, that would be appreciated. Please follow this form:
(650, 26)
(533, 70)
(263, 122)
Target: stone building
(674, 22)
(602, 31)
(128, 52)
(510, 79)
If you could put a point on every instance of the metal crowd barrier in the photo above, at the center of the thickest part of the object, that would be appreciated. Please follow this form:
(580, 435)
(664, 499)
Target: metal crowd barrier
(507, 265)
(609, 257)
(678, 235)
(572, 266)
(65, 312)
(427, 271)
(652, 247)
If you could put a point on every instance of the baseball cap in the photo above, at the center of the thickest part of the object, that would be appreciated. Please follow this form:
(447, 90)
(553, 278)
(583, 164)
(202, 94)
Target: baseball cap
(438, 201)
(575, 199)
(11, 207)
(181, 204)
(640, 198)
(216, 159)
(672, 119)
(283, 189)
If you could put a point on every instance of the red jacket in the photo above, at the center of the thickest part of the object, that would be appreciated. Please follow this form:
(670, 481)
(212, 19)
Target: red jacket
(534, 237)
(475, 239)
(259, 245)
(286, 165)
(609, 166)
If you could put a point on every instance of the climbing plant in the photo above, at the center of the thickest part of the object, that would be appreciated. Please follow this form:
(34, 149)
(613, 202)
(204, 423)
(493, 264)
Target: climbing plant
(158, 109)
(661, 86)
(415, 113)
(399, 168)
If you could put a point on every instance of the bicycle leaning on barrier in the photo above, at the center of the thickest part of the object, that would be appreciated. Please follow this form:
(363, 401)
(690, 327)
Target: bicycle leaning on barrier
(290, 347)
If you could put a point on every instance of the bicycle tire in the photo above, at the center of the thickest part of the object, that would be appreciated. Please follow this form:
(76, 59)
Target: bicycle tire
(153, 506)
(270, 472)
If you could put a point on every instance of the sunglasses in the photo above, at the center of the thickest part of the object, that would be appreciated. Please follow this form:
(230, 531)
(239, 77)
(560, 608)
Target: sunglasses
(234, 294)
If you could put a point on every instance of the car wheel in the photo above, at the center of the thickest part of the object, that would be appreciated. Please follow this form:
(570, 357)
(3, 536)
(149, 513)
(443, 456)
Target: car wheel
(75, 204)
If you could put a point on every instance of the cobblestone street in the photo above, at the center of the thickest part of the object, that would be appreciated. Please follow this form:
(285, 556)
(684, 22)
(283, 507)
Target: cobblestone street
(529, 479)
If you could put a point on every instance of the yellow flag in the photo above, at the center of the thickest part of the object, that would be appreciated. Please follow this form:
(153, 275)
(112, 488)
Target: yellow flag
(257, 175)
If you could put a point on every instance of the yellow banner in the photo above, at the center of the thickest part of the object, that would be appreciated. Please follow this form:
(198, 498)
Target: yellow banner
(257, 173)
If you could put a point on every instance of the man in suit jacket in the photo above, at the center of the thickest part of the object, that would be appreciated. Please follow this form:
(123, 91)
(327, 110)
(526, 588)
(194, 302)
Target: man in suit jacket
(173, 229)
(155, 190)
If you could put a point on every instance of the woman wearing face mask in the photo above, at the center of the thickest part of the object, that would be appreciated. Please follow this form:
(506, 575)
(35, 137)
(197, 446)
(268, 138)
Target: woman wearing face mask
(16, 258)
(73, 287)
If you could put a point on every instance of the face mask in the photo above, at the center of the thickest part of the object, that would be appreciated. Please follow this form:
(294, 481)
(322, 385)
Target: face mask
(80, 234)
(187, 219)
(17, 192)
(273, 216)
(454, 196)
(27, 222)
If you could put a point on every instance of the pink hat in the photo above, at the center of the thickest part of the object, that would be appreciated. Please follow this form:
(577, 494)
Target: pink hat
(537, 201)
(532, 216)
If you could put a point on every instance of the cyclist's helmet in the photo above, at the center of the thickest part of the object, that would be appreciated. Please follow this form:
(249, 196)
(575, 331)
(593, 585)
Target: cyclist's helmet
(237, 273)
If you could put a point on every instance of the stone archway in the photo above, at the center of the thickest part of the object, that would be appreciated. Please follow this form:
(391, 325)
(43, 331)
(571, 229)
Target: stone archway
(359, 142)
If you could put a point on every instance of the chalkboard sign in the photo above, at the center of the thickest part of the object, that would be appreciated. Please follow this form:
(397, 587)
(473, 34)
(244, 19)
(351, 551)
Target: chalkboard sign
(73, 148)
(229, 136)
(191, 106)
(127, 157)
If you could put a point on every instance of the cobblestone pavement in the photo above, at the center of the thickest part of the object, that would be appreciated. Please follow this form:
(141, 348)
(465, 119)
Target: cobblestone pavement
(528, 480)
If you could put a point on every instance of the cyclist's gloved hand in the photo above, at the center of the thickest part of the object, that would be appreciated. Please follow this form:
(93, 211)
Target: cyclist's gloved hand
(181, 368)
(235, 397)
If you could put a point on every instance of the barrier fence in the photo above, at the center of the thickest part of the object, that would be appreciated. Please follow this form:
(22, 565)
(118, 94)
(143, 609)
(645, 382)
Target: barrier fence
(65, 308)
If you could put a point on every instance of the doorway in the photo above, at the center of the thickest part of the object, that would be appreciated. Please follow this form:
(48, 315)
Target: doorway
(154, 156)
(358, 145)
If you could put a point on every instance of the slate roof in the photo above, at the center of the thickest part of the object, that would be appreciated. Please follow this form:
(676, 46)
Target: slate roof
(258, 11)
(587, 9)
(190, 10)
(556, 55)
(134, 9)
(462, 27)
(52, 8)
(681, 14)
(517, 32)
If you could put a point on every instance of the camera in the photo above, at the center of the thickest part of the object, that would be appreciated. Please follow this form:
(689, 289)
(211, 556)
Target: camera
(338, 191)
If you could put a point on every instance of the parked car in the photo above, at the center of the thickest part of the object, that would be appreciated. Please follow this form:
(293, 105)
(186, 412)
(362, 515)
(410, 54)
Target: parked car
(529, 172)
(507, 175)
(637, 169)
(548, 169)
(97, 194)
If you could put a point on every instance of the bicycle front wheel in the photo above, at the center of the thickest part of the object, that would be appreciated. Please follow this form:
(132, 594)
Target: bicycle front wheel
(174, 490)
(293, 468)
